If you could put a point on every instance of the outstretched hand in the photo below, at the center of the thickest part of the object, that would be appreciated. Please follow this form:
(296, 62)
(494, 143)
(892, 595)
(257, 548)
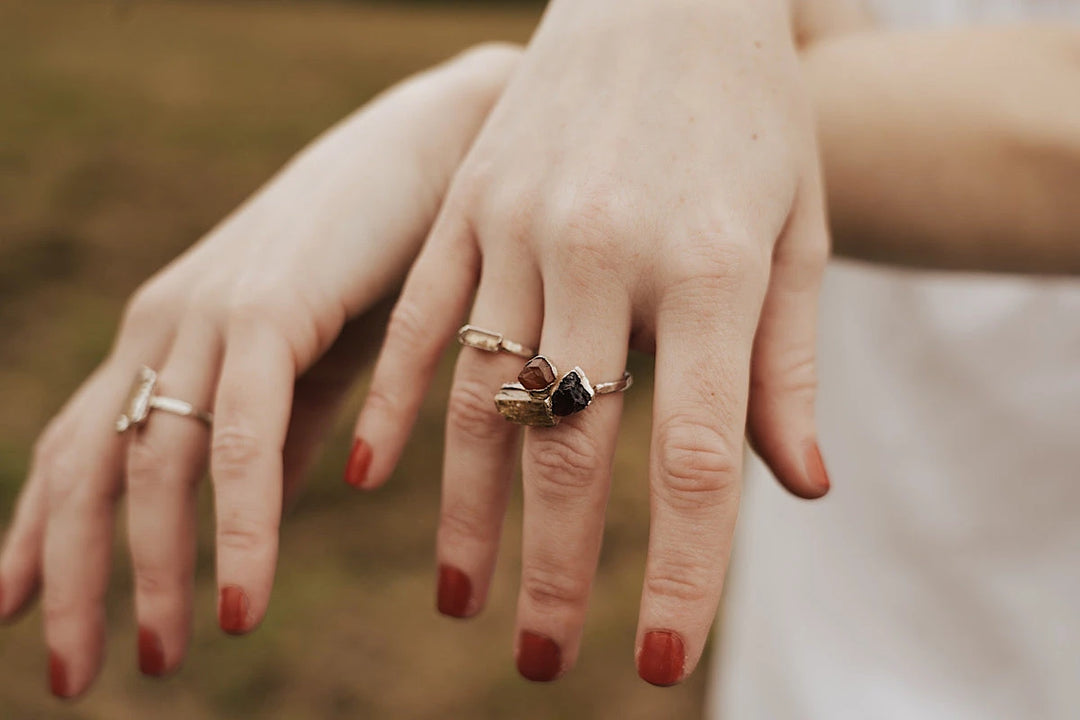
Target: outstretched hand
(252, 323)
(649, 179)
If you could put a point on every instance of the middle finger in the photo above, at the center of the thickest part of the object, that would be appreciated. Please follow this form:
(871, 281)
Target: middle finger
(567, 470)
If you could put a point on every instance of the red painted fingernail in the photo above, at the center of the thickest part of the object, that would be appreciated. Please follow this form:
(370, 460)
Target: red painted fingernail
(662, 658)
(539, 658)
(356, 469)
(151, 653)
(815, 468)
(233, 610)
(57, 675)
(455, 590)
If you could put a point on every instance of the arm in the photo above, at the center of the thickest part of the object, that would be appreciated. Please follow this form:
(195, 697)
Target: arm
(956, 150)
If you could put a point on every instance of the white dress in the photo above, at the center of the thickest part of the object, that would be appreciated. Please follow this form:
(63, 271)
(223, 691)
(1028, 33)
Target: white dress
(941, 576)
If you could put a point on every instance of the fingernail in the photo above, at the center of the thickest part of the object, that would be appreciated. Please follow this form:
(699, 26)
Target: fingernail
(359, 461)
(57, 675)
(151, 653)
(815, 468)
(233, 610)
(662, 658)
(539, 658)
(455, 590)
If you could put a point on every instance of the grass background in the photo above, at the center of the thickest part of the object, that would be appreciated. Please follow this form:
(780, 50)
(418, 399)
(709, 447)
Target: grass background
(126, 131)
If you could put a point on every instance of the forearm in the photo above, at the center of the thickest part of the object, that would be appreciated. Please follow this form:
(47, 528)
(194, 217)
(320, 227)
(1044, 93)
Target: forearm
(953, 149)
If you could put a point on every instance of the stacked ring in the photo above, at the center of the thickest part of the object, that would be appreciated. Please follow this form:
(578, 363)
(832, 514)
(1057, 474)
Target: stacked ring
(537, 400)
(493, 342)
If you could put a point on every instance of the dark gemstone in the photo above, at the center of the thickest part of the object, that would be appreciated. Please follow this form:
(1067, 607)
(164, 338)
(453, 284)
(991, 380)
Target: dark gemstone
(537, 374)
(571, 396)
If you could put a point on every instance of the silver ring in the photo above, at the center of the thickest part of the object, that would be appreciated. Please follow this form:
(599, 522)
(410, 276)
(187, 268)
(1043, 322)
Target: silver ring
(536, 399)
(141, 400)
(489, 341)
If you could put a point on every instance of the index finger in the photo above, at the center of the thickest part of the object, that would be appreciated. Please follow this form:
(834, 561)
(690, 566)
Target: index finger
(705, 331)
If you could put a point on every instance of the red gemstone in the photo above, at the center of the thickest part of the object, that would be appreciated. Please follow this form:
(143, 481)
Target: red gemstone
(537, 374)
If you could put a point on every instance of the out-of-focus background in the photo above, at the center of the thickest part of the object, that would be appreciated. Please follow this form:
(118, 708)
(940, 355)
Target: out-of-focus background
(127, 129)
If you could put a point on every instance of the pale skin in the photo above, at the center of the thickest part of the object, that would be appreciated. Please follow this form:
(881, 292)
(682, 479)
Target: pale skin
(61, 531)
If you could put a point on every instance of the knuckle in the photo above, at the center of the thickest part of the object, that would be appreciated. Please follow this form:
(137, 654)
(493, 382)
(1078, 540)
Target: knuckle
(549, 588)
(147, 306)
(685, 580)
(241, 534)
(270, 303)
(208, 305)
(145, 466)
(381, 402)
(565, 464)
(154, 581)
(68, 487)
(591, 226)
(471, 187)
(471, 413)
(249, 306)
(725, 264)
(464, 523)
(57, 608)
(792, 374)
(233, 451)
(698, 466)
(407, 328)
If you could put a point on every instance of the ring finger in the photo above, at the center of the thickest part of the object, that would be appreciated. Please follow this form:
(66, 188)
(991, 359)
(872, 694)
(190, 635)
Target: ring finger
(166, 460)
(480, 444)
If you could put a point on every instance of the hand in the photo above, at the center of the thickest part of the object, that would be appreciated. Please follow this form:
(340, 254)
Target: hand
(263, 303)
(648, 179)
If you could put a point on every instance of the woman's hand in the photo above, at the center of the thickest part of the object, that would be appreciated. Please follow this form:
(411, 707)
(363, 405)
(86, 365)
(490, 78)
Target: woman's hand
(648, 179)
(259, 306)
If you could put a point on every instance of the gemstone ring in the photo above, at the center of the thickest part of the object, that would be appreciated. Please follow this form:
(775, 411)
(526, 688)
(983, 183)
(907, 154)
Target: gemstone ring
(141, 400)
(493, 342)
(537, 400)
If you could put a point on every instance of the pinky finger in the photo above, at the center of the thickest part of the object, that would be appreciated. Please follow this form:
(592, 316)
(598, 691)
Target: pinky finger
(783, 378)
(20, 561)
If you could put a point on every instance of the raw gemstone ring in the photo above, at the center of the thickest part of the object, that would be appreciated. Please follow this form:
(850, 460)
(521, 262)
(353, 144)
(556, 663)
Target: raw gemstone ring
(537, 400)
(141, 400)
(490, 341)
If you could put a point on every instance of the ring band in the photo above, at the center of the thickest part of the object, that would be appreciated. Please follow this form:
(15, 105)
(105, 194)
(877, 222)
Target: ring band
(493, 342)
(537, 400)
(141, 400)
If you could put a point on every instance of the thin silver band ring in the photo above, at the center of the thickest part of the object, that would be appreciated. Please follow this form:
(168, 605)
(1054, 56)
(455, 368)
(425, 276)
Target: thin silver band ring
(141, 400)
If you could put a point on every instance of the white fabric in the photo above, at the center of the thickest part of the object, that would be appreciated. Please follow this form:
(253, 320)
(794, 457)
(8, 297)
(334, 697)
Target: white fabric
(941, 577)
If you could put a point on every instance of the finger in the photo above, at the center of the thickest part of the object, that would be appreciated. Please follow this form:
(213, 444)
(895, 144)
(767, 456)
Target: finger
(567, 473)
(480, 445)
(166, 459)
(251, 415)
(322, 389)
(21, 559)
(705, 328)
(429, 311)
(20, 562)
(783, 378)
(83, 482)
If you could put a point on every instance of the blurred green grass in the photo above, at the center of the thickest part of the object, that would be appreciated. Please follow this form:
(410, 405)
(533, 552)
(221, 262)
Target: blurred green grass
(126, 131)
